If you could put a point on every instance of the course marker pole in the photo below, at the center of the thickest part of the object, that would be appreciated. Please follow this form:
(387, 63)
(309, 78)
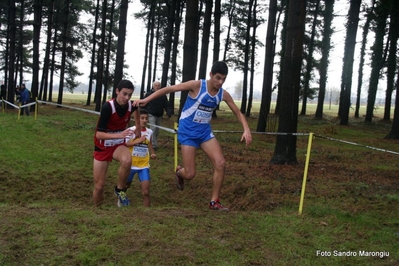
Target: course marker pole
(175, 145)
(36, 107)
(305, 173)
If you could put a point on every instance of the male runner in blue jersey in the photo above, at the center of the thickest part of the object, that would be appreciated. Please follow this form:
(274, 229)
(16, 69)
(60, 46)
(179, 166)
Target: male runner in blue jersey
(194, 129)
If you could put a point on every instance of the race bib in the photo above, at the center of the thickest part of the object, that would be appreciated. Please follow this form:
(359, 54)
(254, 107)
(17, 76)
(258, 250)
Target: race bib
(140, 151)
(113, 142)
(203, 114)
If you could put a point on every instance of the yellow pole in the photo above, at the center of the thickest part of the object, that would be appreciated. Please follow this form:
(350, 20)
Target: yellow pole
(36, 108)
(305, 173)
(175, 146)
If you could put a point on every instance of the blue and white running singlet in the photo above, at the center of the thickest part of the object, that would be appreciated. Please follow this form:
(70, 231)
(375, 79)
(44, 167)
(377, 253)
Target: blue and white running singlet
(197, 112)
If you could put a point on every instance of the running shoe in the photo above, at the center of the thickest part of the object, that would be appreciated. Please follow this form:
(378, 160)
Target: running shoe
(179, 180)
(216, 205)
(123, 200)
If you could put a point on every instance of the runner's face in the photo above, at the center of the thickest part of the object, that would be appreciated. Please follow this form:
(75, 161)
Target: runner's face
(143, 120)
(217, 80)
(123, 96)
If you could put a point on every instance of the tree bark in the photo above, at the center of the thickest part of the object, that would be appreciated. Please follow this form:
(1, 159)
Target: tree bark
(190, 47)
(325, 51)
(120, 53)
(268, 68)
(377, 57)
(347, 69)
(285, 148)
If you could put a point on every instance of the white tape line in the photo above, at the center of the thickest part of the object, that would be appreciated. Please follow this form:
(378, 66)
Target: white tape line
(356, 144)
(71, 107)
(163, 128)
(13, 105)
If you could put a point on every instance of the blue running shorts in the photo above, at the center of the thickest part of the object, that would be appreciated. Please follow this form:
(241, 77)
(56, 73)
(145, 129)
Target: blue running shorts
(144, 174)
(194, 141)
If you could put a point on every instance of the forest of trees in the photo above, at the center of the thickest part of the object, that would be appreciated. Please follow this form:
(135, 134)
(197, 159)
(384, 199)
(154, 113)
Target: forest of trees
(42, 41)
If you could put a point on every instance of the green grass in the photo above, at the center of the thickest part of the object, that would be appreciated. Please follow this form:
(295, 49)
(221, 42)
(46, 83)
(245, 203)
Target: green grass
(47, 217)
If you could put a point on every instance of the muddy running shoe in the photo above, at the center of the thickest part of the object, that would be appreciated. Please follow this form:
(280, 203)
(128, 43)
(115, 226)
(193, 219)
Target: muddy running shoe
(179, 180)
(216, 205)
(122, 198)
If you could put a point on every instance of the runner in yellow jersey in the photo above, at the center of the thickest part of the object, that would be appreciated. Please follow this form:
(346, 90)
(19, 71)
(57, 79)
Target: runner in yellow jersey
(141, 150)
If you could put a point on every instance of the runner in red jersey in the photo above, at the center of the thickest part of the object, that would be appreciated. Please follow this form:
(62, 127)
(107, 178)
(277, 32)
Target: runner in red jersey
(109, 142)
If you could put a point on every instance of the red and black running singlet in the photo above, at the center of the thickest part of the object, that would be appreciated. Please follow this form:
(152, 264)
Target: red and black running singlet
(113, 119)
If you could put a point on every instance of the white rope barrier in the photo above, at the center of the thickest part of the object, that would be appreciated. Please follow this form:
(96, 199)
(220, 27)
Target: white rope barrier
(13, 105)
(357, 144)
(71, 107)
(173, 131)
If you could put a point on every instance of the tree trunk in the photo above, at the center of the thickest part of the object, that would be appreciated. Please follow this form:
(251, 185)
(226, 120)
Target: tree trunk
(168, 43)
(120, 53)
(394, 133)
(11, 63)
(268, 68)
(282, 54)
(151, 47)
(178, 18)
(377, 58)
(231, 12)
(216, 30)
(246, 59)
(154, 69)
(325, 51)
(52, 68)
(362, 57)
(190, 47)
(252, 68)
(37, 6)
(109, 47)
(100, 61)
(347, 69)
(46, 61)
(285, 148)
(216, 40)
(391, 62)
(206, 32)
(309, 59)
(93, 53)
(20, 55)
(63, 51)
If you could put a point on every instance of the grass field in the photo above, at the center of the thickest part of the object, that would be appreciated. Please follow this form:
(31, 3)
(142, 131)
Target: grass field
(350, 214)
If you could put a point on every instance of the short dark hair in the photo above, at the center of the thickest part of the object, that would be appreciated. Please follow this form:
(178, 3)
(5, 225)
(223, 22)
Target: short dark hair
(220, 67)
(124, 83)
(143, 111)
